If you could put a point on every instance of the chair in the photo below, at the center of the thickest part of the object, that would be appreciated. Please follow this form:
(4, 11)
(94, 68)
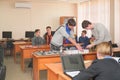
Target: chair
(1, 54)
(9, 47)
(116, 54)
(2, 66)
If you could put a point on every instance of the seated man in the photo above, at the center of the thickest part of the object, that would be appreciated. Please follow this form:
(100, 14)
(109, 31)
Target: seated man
(37, 39)
(104, 68)
(84, 39)
(48, 35)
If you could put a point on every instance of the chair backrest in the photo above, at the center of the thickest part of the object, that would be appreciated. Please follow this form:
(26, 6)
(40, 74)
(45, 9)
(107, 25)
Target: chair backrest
(114, 45)
(9, 44)
(1, 54)
(117, 59)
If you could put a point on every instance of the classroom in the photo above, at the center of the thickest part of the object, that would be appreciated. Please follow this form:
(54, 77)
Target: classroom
(21, 19)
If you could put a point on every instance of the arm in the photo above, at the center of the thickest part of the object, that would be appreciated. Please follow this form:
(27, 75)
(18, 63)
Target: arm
(89, 73)
(74, 43)
(33, 41)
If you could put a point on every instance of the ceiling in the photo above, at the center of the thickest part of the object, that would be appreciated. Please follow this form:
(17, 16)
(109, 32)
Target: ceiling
(71, 1)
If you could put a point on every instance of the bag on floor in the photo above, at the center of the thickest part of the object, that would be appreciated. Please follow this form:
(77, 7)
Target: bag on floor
(2, 71)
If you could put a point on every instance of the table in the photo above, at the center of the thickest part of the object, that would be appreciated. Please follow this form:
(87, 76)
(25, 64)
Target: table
(40, 61)
(17, 47)
(55, 71)
(27, 50)
(116, 49)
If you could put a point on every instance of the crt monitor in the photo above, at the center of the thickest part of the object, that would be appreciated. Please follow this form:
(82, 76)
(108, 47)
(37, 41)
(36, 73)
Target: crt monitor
(29, 34)
(6, 34)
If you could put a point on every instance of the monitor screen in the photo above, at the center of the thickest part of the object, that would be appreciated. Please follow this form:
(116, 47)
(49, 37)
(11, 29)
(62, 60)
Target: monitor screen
(29, 34)
(6, 34)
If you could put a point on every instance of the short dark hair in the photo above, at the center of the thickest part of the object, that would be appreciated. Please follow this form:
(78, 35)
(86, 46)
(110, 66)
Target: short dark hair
(85, 23)
(71, 22)
(84, 31)
(48, 27)
(36, 30)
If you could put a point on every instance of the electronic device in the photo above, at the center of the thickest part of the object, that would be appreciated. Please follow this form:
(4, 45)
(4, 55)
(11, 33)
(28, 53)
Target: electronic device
(7, 34)
(72, 64)
(29, 34)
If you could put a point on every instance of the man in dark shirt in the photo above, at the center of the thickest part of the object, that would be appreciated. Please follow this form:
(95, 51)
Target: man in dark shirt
(104, 68)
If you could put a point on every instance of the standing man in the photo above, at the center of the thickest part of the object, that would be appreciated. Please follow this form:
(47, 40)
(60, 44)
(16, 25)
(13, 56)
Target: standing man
(99, 31)
(64, 32)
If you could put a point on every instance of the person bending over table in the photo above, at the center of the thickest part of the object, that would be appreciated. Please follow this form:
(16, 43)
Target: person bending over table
(99, 31)
(65, 31)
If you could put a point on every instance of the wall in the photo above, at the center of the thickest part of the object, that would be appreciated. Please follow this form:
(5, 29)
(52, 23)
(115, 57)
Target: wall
(19, 20)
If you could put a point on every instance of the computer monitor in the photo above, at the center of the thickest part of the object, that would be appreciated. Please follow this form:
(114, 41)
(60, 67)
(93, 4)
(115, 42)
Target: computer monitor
(6, 34)
(29, 34)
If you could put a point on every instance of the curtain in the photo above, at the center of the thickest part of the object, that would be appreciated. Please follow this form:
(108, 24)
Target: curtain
(97, 11)
(117, 22)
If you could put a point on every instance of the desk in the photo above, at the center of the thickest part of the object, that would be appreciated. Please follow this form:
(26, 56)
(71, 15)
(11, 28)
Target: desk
(116, 49)
(17, 48)
(55, 71)
(27, 50)
(40, 61)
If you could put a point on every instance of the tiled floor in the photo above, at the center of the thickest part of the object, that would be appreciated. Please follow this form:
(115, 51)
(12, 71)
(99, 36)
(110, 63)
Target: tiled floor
(14, 71)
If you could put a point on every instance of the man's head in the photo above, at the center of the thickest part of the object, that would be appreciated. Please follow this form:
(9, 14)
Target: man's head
(104, 49)
(84, 32)
(86, 25)
(48, 29)
(71, 23)
(37, 32)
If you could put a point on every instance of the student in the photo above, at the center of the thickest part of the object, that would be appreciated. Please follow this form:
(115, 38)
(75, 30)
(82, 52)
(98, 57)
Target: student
(84, 39)
(99, 31)
(48, 35)
(64, 32)
(104, 68)
(37, 39)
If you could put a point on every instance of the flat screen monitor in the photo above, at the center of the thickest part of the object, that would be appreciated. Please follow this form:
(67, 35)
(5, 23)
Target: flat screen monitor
(29, 34)
(6, 34)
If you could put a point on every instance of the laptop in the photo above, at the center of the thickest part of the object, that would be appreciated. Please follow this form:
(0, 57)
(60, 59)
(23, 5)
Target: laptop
(72, 64)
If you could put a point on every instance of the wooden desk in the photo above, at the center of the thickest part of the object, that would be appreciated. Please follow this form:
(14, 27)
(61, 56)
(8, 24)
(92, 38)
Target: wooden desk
(116, 49)
(27, 50)
(40, 61)
(17, 48)
(55, 71)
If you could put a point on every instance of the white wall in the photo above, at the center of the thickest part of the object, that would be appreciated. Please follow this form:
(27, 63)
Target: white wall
(19, 20)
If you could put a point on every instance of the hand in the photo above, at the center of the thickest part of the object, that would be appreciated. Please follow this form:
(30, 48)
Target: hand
(90, 46)
(79, 47)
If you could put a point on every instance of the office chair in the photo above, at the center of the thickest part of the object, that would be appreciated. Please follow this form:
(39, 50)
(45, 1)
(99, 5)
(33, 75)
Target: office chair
(116, 54)
(1, 54)
(9, 47)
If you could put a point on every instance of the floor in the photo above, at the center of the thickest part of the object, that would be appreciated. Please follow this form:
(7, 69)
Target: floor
(14, 71)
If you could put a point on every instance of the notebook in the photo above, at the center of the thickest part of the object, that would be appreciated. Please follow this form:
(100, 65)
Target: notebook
(72, 64)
